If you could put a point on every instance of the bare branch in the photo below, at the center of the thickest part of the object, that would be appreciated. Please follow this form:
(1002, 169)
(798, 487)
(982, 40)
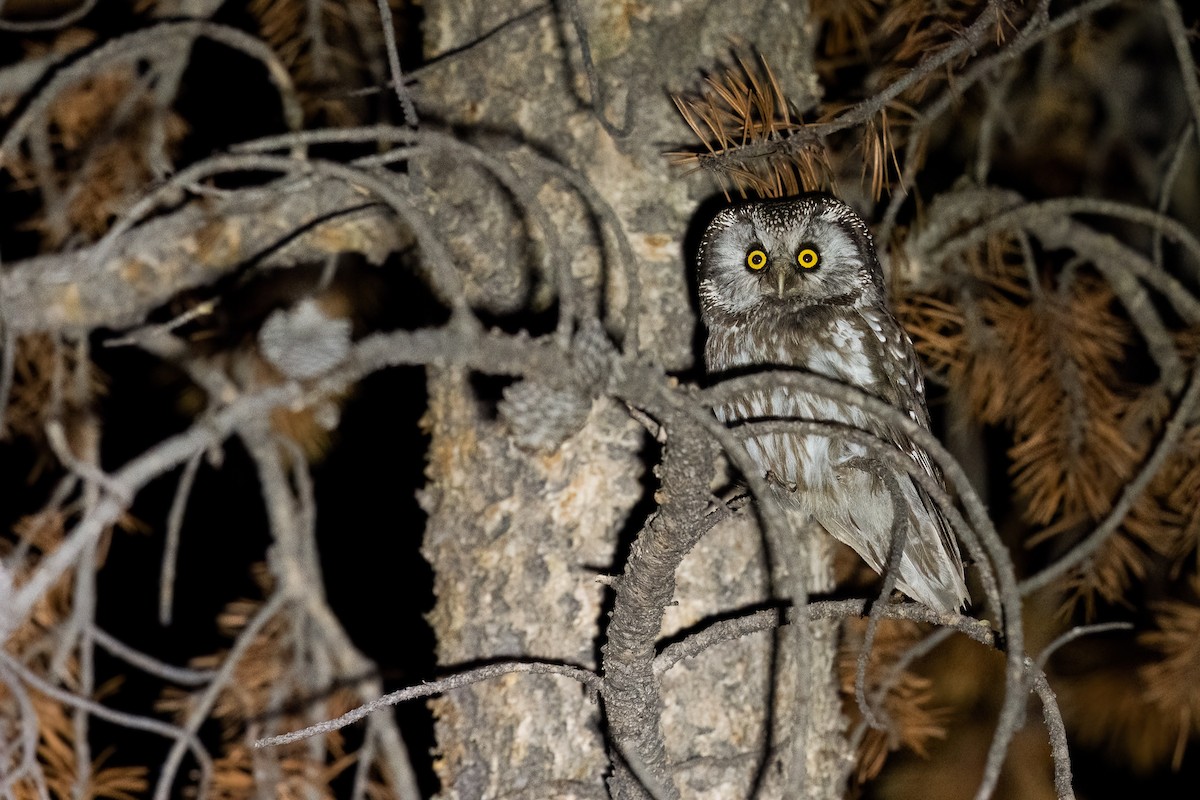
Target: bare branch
(588, 678)
(641, 594)
(393, 56)
(189, 248)
(1183, 52)
(150, 665)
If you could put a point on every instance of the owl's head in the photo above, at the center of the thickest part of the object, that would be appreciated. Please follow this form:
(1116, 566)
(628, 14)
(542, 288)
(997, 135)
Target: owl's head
(782, 256)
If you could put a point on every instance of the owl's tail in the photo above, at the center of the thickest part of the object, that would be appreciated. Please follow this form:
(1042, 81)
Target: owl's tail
(931, 569)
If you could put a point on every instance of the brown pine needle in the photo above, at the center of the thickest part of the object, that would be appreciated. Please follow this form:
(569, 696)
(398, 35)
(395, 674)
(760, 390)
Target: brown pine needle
(749, 136)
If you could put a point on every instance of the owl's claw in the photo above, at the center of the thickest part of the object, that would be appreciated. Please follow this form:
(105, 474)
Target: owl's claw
(791, 486)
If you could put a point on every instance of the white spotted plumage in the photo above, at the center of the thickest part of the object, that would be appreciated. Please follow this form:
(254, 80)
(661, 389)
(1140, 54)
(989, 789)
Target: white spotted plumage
(832, 320)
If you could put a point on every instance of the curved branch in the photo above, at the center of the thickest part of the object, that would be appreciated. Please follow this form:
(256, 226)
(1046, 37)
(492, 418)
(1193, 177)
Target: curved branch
(141, 43)
(586, 677)
(1012, 710)
(642, 593)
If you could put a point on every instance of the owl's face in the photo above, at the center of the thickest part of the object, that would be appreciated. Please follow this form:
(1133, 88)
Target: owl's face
(785, 255)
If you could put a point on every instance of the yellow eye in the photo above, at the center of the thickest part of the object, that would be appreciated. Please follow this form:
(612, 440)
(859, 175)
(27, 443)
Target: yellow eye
(808, 258)
(756, 259)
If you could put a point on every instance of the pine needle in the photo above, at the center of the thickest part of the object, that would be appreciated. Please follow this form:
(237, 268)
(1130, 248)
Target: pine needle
(908, 703)
(750, 135)
(1170, 681)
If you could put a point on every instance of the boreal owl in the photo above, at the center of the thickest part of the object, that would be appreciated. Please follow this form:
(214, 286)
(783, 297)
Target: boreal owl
(796, 284)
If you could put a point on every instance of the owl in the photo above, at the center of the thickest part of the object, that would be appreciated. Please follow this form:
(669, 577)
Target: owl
(796, 283)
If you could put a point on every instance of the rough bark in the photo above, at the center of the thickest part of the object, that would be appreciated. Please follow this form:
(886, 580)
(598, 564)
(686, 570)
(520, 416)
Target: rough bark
(515, 575)
(518, 539)
(105, 286)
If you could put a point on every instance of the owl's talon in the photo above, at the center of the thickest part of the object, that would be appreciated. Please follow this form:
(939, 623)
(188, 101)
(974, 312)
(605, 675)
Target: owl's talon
(771, 477)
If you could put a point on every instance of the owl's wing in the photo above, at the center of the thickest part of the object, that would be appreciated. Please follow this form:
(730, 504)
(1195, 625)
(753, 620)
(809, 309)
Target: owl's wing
(904, 387)
(929, 571)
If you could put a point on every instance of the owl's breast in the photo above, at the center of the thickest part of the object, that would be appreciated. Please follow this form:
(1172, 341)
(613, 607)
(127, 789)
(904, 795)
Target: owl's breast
(843, 347)
(838, 349)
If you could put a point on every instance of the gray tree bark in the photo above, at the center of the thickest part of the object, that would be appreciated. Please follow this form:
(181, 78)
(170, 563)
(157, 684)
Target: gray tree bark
(518, 536)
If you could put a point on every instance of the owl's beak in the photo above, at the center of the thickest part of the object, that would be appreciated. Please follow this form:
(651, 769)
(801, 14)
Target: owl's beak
(781, 277)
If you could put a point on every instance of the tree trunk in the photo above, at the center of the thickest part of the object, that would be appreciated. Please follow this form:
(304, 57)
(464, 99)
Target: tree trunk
(518, 537)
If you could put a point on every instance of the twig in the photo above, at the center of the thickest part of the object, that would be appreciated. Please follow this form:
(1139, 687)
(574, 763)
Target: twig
(728, 629)
(781, 549)
(1058, 736)
(314, 31)
(647, 782)
(725, 630)
(1183, 52)
(64, 20)
(393, 55)
(446, 282)
(83, 594)
(993, 112)
(7, 358)
(1056, 230)
(887, 451)
(1077, 632)
(202, 705)
(584, 676)
(468, 47)
(1156, 221)
(899, 534)
(1171, 437)
(975, 535)
(56, 437)
(365, 760)
(553, 255)
(149, 664)
(129, 479)
(1120, 265)
(137, 45)
(589, 69)
(975, 34)
(627, 262)
(781, 543)
(1036, 30)
(166, 580)
(16, 79)
(495, 353)
(911, 654)
(1174, 167)
(183, 739)
(28, 766)
(296, 566)
(193, 247)
(554, 261)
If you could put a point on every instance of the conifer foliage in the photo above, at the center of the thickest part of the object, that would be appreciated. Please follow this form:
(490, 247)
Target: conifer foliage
(241, 212)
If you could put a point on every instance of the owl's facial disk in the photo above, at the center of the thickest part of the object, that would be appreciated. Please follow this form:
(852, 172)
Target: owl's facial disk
(780, 258)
